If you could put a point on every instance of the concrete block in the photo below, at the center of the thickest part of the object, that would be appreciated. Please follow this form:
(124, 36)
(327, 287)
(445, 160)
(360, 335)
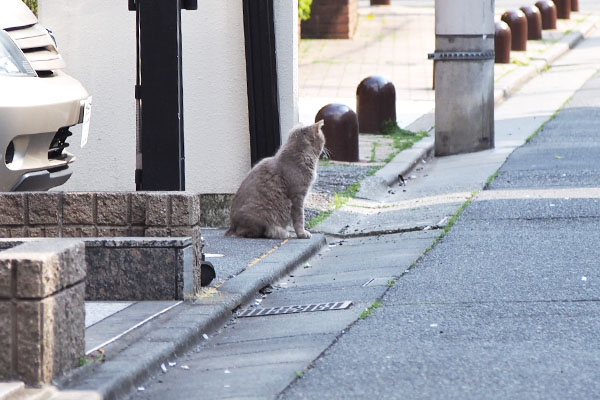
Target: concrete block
(17, 232)
(87, 231)
(34, 232)
(157, 232)
(185, 209)
(46, 267)
(111, 231)
(51, 231)
(49, 335)
(138, 231)
(5, 279)
(42, 323)
(43, 208)
(182, 231)
(69, 231)
(140, 269)
(112, 208)
(138, 208)
(78, 208)
(5, 338)
(12, 209)
(158, 209)
(29, 341)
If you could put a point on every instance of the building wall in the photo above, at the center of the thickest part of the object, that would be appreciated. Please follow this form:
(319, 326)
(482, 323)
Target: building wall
(286, 37)
(97, 40)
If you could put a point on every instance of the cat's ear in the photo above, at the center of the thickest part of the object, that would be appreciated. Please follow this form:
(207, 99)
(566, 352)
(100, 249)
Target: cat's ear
(320, 124)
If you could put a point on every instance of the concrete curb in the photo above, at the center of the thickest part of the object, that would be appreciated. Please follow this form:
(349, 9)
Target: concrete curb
(404, 162)
(138, 355)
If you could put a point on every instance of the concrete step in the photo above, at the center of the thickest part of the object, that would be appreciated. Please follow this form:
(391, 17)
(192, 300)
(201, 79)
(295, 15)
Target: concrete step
(18, 391)
(9, 389)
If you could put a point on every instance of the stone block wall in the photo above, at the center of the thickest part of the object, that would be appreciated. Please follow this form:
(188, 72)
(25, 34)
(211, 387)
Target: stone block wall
(331, 19)
(41, 309)
(156, 269)
(103, 214)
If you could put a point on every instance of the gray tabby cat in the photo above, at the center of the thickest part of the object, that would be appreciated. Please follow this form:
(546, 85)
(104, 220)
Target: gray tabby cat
(272, 195)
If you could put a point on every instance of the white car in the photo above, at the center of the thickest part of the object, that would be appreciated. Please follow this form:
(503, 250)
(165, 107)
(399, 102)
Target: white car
(38, 104)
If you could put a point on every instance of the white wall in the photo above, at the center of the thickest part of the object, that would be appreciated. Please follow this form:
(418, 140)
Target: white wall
(217, 139)
(286, 47)
(97, 40)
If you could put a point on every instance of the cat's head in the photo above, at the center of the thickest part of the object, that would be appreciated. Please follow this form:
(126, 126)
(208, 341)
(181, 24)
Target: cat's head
(315, 136)
(309, 136)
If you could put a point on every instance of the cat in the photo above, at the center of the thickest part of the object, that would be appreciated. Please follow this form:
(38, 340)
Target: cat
(272, 194)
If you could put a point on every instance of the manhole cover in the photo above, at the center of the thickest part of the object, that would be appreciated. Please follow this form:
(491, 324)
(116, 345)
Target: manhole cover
(259, 312)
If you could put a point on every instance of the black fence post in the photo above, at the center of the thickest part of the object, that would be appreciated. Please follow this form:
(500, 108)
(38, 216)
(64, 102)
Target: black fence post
(160, 158)
(261, 73)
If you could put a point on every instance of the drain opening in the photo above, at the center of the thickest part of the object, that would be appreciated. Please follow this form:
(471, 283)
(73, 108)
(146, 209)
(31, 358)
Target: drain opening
(260, 312)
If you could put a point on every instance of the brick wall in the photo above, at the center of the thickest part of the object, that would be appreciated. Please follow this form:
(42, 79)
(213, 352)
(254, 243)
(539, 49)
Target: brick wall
(331, 19)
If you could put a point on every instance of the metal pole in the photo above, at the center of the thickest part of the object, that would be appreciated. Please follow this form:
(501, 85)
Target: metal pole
(160, 157)
(464, 76)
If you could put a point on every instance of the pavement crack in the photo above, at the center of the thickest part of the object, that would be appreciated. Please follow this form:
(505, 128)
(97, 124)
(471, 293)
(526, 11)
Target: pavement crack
(384, 232)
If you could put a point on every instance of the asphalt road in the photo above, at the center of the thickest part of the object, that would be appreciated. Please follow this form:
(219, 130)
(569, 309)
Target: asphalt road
(507, 305)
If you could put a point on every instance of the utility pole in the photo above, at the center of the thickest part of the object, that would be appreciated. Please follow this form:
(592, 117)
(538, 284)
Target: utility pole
(464, 76)
(160, 157)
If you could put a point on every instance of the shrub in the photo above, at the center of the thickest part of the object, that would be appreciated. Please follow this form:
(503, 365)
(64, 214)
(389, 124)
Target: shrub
(33, 5)
(304, 9)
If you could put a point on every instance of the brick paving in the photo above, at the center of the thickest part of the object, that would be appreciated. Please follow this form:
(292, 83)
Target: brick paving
(393, 41)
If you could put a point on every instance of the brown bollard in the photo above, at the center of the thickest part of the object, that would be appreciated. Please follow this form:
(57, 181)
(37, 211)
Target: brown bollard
(575, 5)
(517, 21)
(502, 42)
(375, 103)
(341, 132)
(548, 11)
(563, 9)
(534, 22)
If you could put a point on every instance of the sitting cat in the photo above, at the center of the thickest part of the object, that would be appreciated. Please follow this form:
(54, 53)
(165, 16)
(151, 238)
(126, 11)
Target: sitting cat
(272, 194)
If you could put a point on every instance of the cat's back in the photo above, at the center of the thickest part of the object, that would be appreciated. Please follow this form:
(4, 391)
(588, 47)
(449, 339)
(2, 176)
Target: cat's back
(263, 179)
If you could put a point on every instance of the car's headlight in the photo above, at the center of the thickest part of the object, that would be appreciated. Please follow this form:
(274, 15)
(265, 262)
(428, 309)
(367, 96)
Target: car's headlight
(12, 60)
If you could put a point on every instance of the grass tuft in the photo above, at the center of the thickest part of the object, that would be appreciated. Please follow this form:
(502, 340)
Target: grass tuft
(402, 138)
(366, 312)
(322, 216)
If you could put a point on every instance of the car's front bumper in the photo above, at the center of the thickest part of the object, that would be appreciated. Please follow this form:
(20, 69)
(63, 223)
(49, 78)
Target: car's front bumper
(32, 111)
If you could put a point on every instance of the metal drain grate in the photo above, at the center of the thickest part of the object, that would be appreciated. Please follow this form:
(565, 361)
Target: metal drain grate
(259, 312)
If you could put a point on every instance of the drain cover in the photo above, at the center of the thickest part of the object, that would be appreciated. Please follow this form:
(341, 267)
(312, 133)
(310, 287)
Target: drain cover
(259, 312)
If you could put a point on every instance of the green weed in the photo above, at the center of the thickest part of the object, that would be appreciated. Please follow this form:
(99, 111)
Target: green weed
(322, 216)
(366, 312)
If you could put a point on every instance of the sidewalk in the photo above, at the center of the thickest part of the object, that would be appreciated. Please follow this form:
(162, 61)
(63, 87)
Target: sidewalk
(248, 266)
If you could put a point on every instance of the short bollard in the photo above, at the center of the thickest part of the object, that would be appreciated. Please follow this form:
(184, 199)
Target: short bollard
(548, 11)
(517, 21)
(563, 9)
(375, 103)
(502, 40)
(534, 22)
(341, 132)
(575, 5)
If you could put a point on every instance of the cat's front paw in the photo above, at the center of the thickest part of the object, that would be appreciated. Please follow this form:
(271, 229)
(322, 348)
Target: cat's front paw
(304, 235)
